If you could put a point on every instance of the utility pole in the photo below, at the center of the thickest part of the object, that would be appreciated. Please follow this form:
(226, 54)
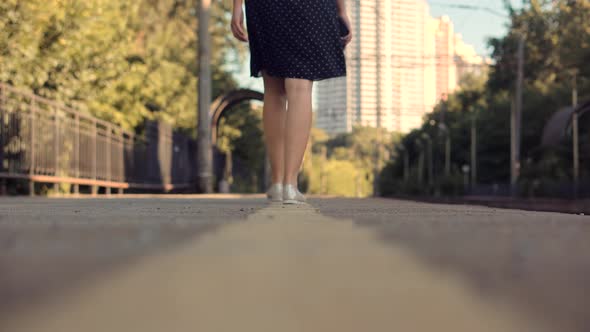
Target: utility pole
(517, 116)
(267, 171)
(447, 135)
(575, 134)
(378, 163)
(473, 148)
(420, 174)
(430, 163)
(447, 152)
(513, 154)
(379, 115)
(428, 141)
(378, 156)
(406, 165)
(308, 159)
(204, 152)
(323, 160)
(378, 69)
(406, 162)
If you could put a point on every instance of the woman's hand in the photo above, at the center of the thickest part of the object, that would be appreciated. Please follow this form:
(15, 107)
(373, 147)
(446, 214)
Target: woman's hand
(237, 22)
(346, 39)
(341, 5)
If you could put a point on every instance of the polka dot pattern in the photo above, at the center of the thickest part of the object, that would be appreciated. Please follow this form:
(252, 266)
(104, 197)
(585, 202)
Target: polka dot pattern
(295, 38)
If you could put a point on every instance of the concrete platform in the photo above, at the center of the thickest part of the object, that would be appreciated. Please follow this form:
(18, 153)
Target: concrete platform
(242, 264)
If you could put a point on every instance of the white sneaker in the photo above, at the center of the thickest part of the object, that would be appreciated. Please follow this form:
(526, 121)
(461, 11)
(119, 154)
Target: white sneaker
(292, 195)
(275, 192)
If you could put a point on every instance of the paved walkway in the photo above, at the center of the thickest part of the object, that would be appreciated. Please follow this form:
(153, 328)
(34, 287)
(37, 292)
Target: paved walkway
(204, 264)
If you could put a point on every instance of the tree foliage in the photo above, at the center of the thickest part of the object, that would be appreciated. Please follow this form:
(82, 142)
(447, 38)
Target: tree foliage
(122, 61)
(240, 133)
(345, 164)
(557, 47)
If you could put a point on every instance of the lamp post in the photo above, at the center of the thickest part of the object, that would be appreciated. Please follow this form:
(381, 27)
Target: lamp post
(575, 134)
(406, 163)
(378, 162)
(473, 147)
(465, 168)
(516, 115)
(428, 141)
(420, 174)
(445, 130)
(514, 157)
(204, 151)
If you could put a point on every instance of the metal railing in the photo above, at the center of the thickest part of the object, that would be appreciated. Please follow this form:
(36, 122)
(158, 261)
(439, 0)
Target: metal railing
(43, 141)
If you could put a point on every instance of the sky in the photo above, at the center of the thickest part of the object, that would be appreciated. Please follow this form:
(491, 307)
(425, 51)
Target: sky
(475, 26)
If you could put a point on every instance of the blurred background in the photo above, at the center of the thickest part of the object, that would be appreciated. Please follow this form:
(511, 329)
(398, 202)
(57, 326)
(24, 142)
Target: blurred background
(441, 99)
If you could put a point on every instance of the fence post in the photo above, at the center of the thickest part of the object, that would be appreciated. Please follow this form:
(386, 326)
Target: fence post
(128, 164)
(77, 153)
(120, 160)
(32, 147)
(56, 149)
(2, 96)
(94, 152)
(2, 100)
(108, 159)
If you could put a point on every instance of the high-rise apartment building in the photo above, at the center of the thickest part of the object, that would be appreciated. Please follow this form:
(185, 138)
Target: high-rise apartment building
(454, 57)
(446, 70)
(399, 63)
(467, 60)
(413, 63)
(363, 96)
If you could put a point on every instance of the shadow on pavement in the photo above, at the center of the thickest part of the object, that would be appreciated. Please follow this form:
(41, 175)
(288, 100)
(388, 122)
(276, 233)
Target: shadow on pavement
(50, 245)
(538, 261)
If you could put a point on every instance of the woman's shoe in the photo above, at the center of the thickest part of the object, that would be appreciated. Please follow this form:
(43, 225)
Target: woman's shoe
(275, 192)
(291, 195)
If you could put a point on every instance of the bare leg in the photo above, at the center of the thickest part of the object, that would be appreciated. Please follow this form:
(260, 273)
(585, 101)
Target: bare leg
(298, 125)
(273, 118)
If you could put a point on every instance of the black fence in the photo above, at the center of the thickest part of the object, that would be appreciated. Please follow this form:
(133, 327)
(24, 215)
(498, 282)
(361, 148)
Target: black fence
(44, 142)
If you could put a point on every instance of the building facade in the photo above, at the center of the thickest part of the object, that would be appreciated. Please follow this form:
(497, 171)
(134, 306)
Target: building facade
(399, 63)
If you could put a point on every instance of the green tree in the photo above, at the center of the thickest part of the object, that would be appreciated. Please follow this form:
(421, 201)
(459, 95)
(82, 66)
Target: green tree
(122, 61)
(240, 133)
(557, 45)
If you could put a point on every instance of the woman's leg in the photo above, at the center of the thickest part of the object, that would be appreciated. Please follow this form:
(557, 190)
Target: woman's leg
(273, 118)
(298, 125)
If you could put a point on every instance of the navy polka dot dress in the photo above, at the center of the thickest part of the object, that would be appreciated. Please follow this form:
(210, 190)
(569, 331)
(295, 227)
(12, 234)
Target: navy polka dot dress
(295, 38)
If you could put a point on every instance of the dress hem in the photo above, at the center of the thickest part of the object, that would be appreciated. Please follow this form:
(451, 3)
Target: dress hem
(258, 74)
